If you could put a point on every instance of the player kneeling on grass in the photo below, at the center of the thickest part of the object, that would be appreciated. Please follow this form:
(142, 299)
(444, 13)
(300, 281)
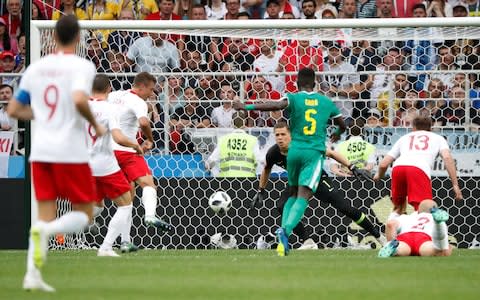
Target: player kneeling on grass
(422, 233)
(110, 181)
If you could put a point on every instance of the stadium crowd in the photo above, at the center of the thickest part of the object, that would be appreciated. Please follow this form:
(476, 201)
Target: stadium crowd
(204, 100)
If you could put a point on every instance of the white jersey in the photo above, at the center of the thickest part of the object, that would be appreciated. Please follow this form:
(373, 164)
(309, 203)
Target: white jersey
(102, 160)
(130, 108)
(416, 222)
(59, 132)
(418, 149)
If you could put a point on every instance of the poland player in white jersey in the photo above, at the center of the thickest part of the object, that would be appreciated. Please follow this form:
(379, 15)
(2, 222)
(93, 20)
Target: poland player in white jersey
(110, 181)
(422, 233)
(412, 157)
(133, 114)
(54, 91)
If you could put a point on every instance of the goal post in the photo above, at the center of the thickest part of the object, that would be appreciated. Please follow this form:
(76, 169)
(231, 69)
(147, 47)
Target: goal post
(184, 184)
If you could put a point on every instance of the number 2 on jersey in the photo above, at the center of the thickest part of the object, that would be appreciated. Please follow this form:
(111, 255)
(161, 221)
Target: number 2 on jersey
(50, 97)
(310, 130)
(418, 142)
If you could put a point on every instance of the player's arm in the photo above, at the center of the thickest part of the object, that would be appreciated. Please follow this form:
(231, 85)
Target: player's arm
(267, 106)
(213, 158)
(383, 166)
(144, 123)
(123, 140)
(358, 173)
(80, 99)
(18, 110)
(391, 229)
(452, 172)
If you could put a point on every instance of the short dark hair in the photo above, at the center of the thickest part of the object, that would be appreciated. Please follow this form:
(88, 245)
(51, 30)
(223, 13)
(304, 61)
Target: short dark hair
(281, 124)
(2, 86)
(101, 83)
(67, 29)
(422, 123)
(144, 78)
(244, 14)
(306, 78)
(419, 5)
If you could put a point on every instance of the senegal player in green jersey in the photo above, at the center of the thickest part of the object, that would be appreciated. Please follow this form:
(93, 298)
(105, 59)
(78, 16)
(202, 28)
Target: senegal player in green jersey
(309, 113)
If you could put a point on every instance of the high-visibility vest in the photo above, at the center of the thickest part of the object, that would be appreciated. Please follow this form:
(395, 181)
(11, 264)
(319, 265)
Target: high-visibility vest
(237, 155)
(357, 151)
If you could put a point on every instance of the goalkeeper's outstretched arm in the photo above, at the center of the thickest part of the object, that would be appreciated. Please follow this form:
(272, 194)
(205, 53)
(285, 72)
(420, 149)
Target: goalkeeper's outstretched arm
(266, 106)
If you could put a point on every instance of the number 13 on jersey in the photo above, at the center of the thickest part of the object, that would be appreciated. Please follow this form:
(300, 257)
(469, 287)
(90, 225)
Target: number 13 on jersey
(312, 126)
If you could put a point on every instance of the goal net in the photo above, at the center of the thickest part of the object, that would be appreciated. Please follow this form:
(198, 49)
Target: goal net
(380, 74)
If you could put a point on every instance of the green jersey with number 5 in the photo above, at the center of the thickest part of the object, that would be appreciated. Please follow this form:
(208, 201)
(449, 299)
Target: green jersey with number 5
(309, 117)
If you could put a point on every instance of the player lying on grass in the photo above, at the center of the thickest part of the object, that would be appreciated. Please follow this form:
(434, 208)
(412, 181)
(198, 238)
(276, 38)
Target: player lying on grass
(110, 181)
(422, 233)
(277, 155)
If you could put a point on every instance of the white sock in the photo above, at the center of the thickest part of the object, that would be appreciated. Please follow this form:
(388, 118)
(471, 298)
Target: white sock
(149, 200)
(115, 226)
(71, 222)
(126, 226)
(440, 236)
(393, 215)
(97, 211)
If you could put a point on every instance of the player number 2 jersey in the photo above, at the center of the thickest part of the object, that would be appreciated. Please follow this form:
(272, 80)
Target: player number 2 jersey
(58, 133)
(102, 160)
(416, 222)
(418, 149)
(130, 108)
(309, 115)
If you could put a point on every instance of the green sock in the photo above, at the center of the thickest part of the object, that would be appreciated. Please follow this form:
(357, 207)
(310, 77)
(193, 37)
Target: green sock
(296, 214)
(286, 210)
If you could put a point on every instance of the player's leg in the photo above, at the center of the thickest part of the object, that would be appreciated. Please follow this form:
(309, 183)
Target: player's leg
(126, 244)
(440, 230)
(149, 200)
(327, 193)
(299, 230)
(419, 187)
(398, 191)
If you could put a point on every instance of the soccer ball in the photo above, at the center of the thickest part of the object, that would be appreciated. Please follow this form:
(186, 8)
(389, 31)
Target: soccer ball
(220, 202)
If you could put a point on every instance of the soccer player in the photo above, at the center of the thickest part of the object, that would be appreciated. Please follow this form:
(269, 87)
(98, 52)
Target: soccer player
(110, 181)
(423, 233)
(277, 155)
(133, 112)
(309, 113)
(55, 90)
(412, 157)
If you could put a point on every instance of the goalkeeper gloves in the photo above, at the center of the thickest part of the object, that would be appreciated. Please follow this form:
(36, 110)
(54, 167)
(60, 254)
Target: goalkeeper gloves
(360, 174)
(258, 198)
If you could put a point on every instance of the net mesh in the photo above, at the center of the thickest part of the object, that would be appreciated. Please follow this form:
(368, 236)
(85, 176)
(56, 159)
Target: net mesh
(379, 77)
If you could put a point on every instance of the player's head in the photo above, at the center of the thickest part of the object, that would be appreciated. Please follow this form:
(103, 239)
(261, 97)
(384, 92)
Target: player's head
(239, 119)
(144, 84)
(306, 79)
(67, 30)
(426, 205)
(422, 123)
(282, 135)
(101, 84)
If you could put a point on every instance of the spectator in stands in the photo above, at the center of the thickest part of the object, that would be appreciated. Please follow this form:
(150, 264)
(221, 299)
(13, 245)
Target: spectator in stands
(385, 8)
(13, 18)
(140, 8)
(408, 110)
(473, 7)
(46, 8)
(166, 13)
(328, 13)
(6, 93)
(255, 8)
(236, 161)
(7, 43)
(374, 118)
(115, 64)
(215, 9)
(260, 90)
(205, 46)
(183, 8)
(435, 99)
(233, 8)
(460, 10)
(342, 83)
(420, 53)
(287, 15)
(120, 40)
(323, 6)
(172, 92)
(96, 54)
(7, 60)
(153, 53)
(296, 56)
(366, 9)
(239, 56)
(439, 8)
(401, 8)
(68, 7)
(268, 61)
(400, 88)
(222, 115)
(37, 12)
(348, 9)
(103, 10)
(309, 7)
(380, 82)
(453, 112)
(273, 10)
(286, 7)
(207, 87)
(20, 57)
(446, 64)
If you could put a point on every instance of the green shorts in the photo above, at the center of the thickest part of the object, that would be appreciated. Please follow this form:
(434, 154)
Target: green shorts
(305, 167)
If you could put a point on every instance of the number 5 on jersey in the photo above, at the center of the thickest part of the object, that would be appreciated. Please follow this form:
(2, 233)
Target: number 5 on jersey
(310, 129)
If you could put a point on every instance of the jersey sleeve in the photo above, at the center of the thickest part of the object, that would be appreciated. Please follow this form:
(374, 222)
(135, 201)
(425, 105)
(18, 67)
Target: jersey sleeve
(395, 151)
(140, 109)
(289, 107)
(113, 118)
(84, 80)
(22, 95)
(443, 143)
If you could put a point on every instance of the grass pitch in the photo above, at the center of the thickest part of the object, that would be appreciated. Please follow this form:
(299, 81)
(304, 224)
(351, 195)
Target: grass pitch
(246, 274)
